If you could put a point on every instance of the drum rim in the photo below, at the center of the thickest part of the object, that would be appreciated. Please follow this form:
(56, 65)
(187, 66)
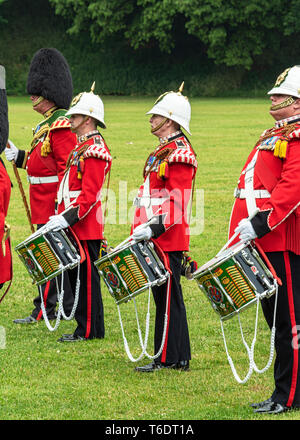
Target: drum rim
(225, 255)
(61, 268)
(109, 257)
(232, 255)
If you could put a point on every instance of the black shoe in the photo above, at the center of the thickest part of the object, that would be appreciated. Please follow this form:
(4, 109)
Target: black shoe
(70, 338)
(27, 320)
(149, 368)
(180, 365)
(260, 404)
(272, 408)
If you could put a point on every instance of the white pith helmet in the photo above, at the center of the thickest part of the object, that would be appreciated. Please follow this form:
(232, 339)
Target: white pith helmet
(174, 106)
(86, 103)
(287, 83)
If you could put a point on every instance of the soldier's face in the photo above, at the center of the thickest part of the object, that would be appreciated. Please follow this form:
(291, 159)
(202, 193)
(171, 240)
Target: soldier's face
(40, 104)
(36, 102)
(281, 113)
(155, 122)
(77, 122)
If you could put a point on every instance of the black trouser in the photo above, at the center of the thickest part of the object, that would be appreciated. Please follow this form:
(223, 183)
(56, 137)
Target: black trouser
(287, 362)
(177, 343)
(89, 312)
(49, 290)
(50, 298)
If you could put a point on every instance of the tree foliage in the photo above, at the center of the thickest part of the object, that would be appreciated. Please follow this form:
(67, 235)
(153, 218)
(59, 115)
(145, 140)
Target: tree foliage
(1, 18)
(231, 32)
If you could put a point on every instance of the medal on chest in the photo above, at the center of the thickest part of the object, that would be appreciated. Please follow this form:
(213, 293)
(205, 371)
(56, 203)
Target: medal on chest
(152, 164)
(276, 140)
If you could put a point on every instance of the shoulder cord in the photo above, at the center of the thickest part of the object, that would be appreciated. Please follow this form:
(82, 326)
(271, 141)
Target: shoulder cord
(283, 132)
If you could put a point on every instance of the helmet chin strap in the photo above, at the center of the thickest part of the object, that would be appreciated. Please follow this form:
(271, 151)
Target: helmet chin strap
(288, 101)
(38, 101)
(154, 129)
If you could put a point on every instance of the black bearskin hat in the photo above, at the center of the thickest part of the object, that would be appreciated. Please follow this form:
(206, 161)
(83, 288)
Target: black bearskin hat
(49, 76)
(3, 111)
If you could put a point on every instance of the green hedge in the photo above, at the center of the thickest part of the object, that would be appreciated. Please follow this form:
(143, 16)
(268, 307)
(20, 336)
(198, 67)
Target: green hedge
(116, 68)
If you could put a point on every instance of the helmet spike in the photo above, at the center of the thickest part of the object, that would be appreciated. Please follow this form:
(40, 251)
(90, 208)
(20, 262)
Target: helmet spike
(93, 87)
(181, 87)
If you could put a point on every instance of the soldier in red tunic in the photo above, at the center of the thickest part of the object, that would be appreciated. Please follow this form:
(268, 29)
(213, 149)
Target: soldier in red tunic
(270, 182)
(50, 85)
(79, 206)
(5, 188)
(163, 198)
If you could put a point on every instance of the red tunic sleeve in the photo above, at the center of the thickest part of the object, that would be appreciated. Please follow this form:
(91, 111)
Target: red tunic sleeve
(285, 197)
(5, 260)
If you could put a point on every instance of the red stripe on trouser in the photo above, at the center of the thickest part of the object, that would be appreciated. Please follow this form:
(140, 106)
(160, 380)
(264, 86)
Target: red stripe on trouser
(45, 296)
(294, 328)
(168, 292)
(88, 290)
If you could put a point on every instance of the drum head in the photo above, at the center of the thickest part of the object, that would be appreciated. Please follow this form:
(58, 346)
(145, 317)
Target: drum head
(220, 258)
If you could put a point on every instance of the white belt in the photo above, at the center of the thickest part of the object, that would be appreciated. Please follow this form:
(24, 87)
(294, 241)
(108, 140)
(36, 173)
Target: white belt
(240, 193)
(64, 194)
(37, 180)
(148, 201)
(74, 194)
(249, 180)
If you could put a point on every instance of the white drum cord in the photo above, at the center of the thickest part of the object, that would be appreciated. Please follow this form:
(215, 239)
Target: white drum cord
(76, 296)
(144, 343)
(250, 351)
(60, 306)
(250, 371)
(60, 297)
(165, 325)
(273, 332)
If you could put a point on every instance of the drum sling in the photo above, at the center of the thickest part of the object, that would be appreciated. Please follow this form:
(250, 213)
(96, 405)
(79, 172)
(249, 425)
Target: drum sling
(144, 343)
(129, 269)
(234, 280)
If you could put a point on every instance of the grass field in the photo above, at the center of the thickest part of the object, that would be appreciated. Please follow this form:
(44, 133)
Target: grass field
(42, 379)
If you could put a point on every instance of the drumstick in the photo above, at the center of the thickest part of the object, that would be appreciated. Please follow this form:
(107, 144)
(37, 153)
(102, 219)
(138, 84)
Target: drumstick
(237, 233)
(131, 236)
(22, 193)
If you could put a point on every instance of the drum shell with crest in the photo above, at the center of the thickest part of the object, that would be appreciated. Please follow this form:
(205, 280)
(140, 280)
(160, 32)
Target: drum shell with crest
(235, 279)
(131, 269)
(47, 253)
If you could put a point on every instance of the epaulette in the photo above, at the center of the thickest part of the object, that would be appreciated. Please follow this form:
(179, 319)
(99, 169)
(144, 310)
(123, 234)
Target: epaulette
(183, 154)
(180, 153)
(277, 139)
(60, 122)
(98, 150)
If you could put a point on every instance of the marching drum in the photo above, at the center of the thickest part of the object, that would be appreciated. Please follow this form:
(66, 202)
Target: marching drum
(46, 254)
(132, 268)
(235, 279)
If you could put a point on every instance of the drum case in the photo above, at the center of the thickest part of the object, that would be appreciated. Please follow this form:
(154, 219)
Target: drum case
(253, 276)
(46, 254)
(147, 266)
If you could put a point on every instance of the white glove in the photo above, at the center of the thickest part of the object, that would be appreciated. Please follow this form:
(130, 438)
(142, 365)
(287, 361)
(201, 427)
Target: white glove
(245, 229)
(142, 232)
(12, 152)
(57, 222)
